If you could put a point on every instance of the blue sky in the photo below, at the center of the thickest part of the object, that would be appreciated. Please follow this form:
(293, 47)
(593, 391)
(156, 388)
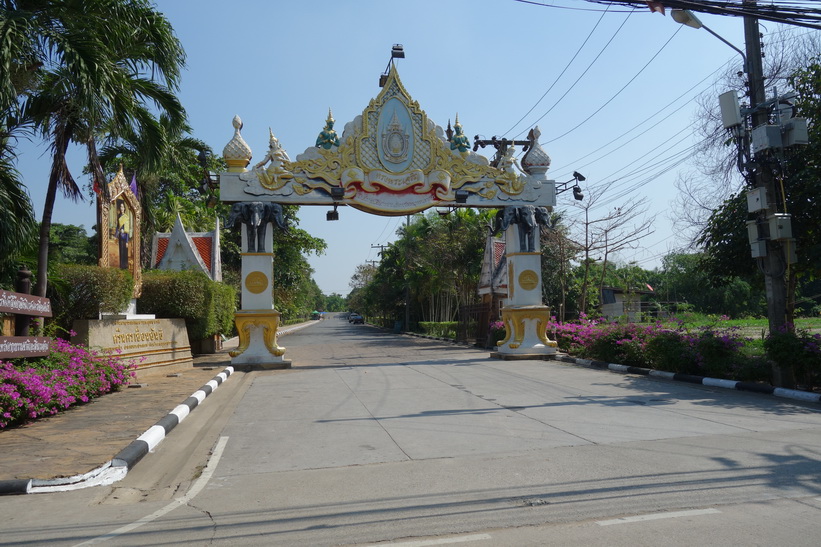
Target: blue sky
(283, 64)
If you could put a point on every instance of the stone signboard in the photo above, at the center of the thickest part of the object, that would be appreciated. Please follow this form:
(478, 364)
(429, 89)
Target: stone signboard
(150, 343)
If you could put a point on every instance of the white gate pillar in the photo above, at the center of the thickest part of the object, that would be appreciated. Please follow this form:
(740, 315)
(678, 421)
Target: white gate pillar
(257, 321)
(525, 316)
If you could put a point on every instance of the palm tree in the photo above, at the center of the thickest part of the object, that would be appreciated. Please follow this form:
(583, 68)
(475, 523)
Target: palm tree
(105, 63)
(31, 39)
(17, 224)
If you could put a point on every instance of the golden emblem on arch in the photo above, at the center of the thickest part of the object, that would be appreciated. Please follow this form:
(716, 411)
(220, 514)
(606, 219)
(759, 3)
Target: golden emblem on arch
(256, 282)
(395, 142)
(528, 280)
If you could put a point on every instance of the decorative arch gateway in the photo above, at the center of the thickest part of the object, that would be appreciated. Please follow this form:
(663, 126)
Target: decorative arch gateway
(391, 160)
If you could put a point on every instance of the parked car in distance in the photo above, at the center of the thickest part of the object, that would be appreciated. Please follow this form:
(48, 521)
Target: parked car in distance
(355, 318)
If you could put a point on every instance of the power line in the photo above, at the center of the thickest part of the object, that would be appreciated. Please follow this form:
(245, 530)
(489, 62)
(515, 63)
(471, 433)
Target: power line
(789, 12)
(646, 120)
(586, 70)
(570, 62)
(619, 91)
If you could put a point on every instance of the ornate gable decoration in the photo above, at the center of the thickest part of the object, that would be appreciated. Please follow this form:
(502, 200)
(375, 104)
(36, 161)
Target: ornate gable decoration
(391, 160)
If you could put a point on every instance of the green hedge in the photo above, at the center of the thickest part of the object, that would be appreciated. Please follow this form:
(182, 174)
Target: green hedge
(207, 306)
(82, 292)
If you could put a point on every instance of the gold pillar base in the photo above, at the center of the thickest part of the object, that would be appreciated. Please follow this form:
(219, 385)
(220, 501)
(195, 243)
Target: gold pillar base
(526, 330)
(257, 338)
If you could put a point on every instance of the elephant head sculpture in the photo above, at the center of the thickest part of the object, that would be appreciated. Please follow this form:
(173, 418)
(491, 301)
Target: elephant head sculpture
(527, 218)
(256, 215)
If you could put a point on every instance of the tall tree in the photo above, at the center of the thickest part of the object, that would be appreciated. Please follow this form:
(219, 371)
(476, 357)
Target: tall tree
(605, 233)
(98, 64)
(17, 224)
(557, 253)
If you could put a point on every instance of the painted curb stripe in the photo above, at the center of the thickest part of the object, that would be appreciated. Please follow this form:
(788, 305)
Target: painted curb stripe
(130, 455)
(689, 378)
(718, 382)
(693, 379)
(136, 450)
(798, 395)
(181, 412)
(14, 486)
(153, 436)
(757, 388)
(168, 423)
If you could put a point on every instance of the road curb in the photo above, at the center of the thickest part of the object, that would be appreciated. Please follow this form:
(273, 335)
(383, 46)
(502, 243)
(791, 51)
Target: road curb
(126, 459)
(755, 387)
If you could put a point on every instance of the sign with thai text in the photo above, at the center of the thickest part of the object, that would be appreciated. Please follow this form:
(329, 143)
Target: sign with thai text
(23, 346)
(24, 304)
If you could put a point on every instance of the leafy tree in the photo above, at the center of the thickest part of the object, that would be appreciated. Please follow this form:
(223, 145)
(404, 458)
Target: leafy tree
(17, 224)
(434, 266)
(334, 302)
(362, 276)
(70, 244)
(88, 66)
(295, 292)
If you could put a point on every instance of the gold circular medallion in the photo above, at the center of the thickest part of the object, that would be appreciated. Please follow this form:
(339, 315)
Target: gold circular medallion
(256, 282)
(528, 280)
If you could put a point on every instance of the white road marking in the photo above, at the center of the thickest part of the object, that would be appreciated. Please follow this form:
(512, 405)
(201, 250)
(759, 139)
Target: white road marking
(657, 516)
(441, 541)
(195, 489)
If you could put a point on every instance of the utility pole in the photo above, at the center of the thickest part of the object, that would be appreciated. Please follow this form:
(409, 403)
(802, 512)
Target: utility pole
(774, 263)
(407, 285)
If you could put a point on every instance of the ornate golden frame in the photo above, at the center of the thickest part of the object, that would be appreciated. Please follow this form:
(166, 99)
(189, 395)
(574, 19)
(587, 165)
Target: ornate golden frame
(119, 189)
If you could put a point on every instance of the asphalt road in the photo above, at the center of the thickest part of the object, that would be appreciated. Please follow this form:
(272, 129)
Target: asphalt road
(374, 437)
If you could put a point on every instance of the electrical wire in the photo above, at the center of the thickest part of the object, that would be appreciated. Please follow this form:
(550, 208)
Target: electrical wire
(587, 119)
(586, 70)
(569, 63)
(638, 125)
(788, 12)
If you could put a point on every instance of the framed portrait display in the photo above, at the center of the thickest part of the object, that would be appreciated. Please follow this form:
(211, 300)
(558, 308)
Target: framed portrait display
(120, 230)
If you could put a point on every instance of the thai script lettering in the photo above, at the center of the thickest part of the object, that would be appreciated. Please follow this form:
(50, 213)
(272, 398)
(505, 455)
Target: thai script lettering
(397, 182)
(28, 345)
(130, 337)
(23, 304)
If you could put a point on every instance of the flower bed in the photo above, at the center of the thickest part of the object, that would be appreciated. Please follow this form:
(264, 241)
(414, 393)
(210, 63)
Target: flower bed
(713, 350)
(70, 375)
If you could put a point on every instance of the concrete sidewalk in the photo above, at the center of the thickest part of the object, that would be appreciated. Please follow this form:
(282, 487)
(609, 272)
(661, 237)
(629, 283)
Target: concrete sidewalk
(85, 437)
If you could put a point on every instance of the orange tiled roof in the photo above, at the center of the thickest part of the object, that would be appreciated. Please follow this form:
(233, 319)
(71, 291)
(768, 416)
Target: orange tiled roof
(162, 246)
(203, 245)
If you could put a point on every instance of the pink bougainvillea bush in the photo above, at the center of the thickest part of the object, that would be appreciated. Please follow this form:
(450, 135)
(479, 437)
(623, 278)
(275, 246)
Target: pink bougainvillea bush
(711, 350)
(69, 375)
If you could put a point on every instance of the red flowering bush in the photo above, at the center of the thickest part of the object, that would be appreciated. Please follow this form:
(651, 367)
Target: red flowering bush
(69, 375)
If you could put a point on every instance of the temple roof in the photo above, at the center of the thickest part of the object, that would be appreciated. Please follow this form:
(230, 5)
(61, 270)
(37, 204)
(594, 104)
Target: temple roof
(181, 250)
